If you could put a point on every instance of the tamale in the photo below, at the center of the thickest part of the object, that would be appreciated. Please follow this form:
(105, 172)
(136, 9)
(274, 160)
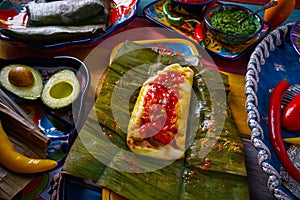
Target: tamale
(100, 154)
(68, 13)
(53, 34)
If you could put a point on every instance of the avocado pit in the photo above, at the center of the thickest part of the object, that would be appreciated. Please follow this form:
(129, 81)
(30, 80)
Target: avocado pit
(20, 76)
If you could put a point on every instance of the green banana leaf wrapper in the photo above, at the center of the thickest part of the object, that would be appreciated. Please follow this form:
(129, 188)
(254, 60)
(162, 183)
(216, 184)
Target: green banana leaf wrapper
(52, 22)
(68, 13)
(213, 167)
(53, 34)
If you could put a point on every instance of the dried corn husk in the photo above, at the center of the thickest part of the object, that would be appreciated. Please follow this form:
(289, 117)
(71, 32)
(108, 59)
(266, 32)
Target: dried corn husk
(27, 139)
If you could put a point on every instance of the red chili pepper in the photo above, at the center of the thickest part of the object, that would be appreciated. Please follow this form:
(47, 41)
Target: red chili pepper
(274, 124)
(199, 35)
(291, 115)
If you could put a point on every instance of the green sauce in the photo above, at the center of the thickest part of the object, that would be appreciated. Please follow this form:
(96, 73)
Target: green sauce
(227, 21)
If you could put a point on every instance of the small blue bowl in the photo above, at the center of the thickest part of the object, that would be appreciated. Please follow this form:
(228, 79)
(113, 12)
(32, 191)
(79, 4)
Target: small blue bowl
(227, 38)
(196, 9)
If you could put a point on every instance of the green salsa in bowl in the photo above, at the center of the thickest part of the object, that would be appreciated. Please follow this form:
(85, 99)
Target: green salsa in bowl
(222, 23)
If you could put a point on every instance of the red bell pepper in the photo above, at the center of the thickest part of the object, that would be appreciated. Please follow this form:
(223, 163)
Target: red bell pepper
(199, 34)
(291, 116)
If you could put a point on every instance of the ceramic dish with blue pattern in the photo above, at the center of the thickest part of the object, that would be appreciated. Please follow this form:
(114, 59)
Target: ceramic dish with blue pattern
(154, 12)
(272, 61)
(14, 26)
(59, 125)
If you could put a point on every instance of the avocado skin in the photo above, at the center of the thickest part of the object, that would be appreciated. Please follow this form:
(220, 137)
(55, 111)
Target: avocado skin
(30, 92)
(61, 90)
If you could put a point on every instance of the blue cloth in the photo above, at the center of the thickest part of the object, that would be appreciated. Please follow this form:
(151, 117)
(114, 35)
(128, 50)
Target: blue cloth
(275, 61)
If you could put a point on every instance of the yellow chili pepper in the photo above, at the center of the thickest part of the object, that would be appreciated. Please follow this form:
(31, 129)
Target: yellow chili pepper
(295, 140)
(15, 161)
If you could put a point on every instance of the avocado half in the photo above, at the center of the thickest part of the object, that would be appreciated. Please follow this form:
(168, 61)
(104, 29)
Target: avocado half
(30, 92)
(61, 89)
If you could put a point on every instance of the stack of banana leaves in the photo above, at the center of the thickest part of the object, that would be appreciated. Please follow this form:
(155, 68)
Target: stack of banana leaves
(61, 20)
(26, 137)
(213, 166)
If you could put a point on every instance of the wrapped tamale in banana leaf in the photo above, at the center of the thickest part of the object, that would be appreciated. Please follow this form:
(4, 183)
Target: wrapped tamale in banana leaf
(53, 34)
(100, 152)
(68, 13)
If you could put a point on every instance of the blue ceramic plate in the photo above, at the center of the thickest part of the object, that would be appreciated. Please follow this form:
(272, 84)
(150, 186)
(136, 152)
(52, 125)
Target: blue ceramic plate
(59, 125)
(13, 14)
(174, 46)
(154, 12)
(272, 61)
(295, 36)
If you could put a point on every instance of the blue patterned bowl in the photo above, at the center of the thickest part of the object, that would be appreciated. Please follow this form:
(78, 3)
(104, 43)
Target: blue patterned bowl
(232, 38)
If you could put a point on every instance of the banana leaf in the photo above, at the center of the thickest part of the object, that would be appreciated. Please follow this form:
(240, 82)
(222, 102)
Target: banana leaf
(58, 21)
(68, 13)
(213, 167)
(53, 34)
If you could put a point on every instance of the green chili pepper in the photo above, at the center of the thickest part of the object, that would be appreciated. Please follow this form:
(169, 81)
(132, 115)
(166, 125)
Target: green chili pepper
(175, 21)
